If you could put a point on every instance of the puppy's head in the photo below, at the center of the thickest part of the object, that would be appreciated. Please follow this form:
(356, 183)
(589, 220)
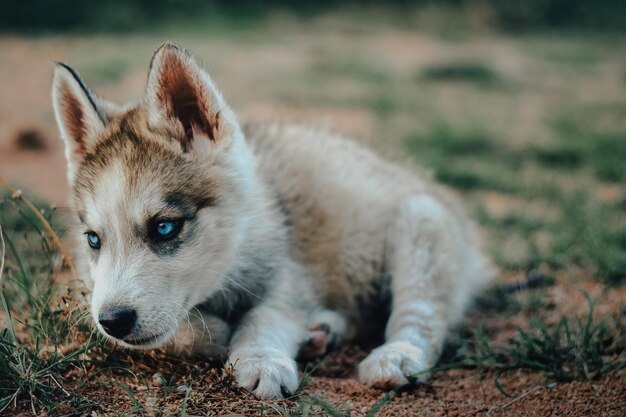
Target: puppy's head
(163, 190)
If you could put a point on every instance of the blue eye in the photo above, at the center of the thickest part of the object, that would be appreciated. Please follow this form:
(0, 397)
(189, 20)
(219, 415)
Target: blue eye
(94, 240)
(165, 229)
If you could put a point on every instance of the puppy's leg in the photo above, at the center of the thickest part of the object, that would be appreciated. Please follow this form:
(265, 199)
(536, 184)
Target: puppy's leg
(264, 347)
(326, 328)
(424, 265)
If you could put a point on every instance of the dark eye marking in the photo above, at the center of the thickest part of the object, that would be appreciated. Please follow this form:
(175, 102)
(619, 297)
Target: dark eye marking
(189, 204)
(167, 229)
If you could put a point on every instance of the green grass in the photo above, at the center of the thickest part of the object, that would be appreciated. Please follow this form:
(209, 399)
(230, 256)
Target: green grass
(562, 176)
(443, 141)
(574, 57)
(475, 178)
(500, 300)
(105, 71)
(29, 258)
(578, 348)
(382, 104)
(355, 69)
(473, 73)
(464, 158)
(565, 157)
(584, 235)
(36, 318)
(321, 407)
(584, 132)
(29, 373)
(589, 238)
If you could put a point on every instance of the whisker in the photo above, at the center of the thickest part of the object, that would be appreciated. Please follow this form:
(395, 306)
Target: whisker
(238, 284)
(233, 241)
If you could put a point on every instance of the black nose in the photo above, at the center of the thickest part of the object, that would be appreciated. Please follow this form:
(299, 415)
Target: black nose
(118, 321)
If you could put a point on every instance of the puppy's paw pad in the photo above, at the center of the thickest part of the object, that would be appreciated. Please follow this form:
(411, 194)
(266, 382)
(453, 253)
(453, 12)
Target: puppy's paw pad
(391, 365)
(319, 342)
(266, 373)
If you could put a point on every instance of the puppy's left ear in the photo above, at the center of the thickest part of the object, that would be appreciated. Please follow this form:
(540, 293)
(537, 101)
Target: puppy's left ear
(182, 99)
(80, 115)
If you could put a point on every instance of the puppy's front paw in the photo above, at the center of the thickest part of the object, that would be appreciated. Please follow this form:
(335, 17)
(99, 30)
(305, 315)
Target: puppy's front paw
(391, 365)
(267, 373)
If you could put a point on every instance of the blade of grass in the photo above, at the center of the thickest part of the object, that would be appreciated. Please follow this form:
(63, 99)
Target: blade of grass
(17, 194)
(378, 405)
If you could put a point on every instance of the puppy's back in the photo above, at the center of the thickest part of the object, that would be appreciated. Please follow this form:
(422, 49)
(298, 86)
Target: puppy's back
(340, 200)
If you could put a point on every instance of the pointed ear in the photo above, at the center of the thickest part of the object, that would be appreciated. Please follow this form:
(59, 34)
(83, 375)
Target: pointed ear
(182, 98)
(79, 114)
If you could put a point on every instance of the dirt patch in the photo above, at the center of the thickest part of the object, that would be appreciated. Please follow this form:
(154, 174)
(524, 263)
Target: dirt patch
(464, 392)
(164, 386)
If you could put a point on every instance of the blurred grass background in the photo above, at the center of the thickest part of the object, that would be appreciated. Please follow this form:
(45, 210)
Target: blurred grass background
(518, 105)
(132, 15)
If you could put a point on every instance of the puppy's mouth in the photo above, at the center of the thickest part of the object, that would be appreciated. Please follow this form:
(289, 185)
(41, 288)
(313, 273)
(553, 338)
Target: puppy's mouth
(143, 341)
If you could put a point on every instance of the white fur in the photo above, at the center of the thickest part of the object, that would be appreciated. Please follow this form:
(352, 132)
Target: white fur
(392, 364)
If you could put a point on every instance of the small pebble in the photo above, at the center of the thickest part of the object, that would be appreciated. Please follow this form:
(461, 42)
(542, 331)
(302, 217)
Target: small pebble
(182, 388)
(158, 379)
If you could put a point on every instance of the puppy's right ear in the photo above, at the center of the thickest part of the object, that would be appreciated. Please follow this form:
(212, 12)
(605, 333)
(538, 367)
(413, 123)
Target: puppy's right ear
(79, 114)
(182, 97)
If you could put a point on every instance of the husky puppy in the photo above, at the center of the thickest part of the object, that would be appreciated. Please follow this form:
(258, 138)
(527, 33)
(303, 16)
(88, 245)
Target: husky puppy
(267, 239)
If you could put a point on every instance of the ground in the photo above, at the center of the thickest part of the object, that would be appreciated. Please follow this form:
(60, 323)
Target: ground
(530, 129)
